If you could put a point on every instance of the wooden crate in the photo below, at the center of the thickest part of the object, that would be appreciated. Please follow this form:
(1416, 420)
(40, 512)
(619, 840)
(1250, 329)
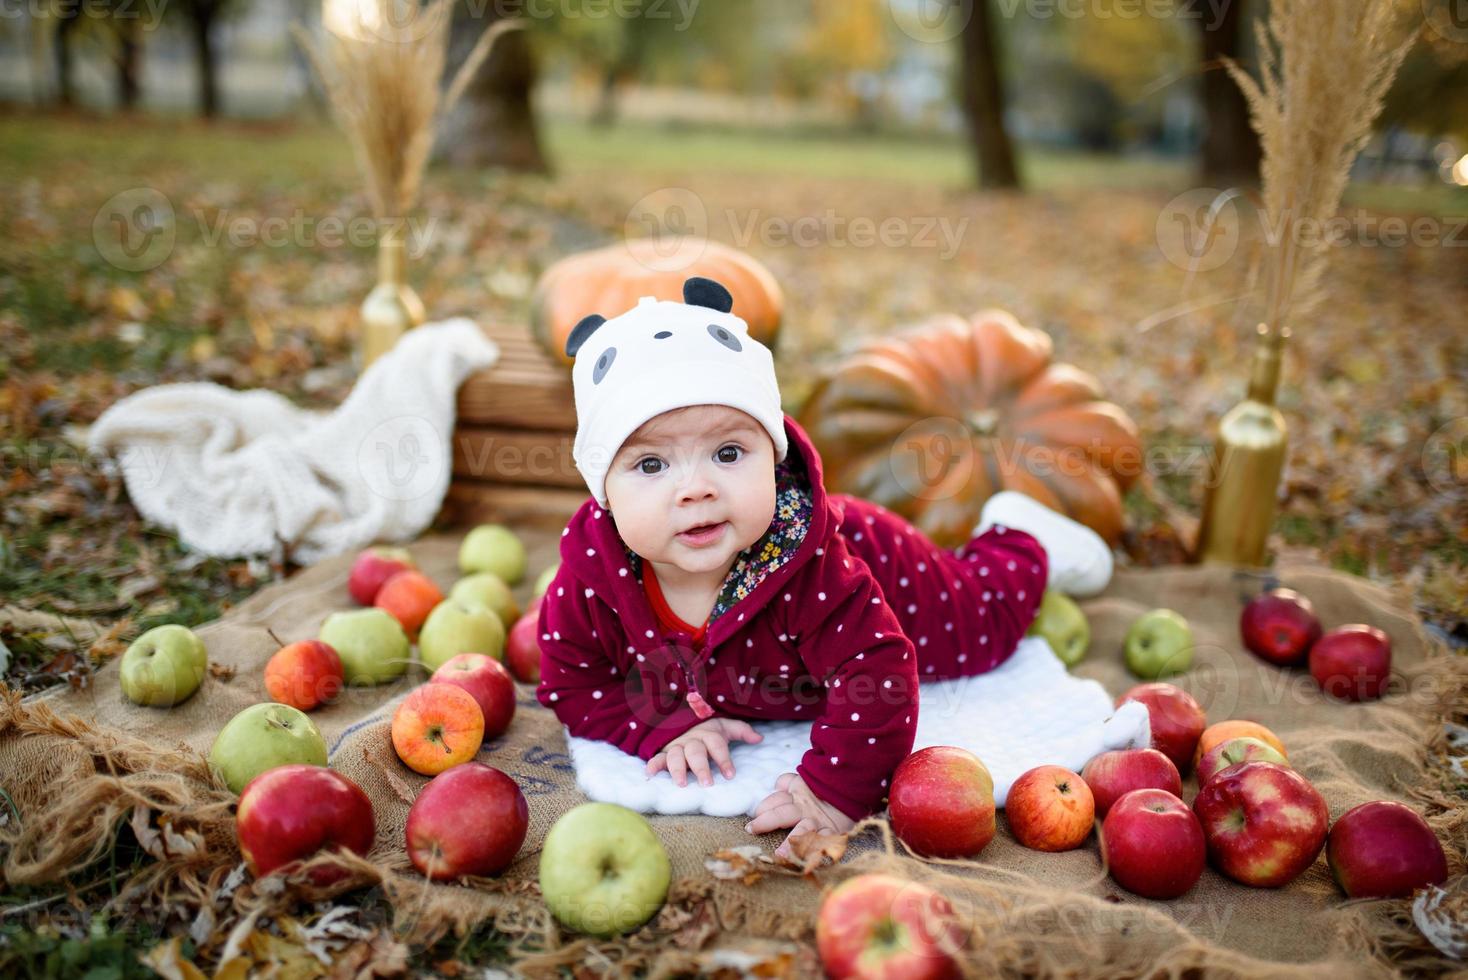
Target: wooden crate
(512, 440)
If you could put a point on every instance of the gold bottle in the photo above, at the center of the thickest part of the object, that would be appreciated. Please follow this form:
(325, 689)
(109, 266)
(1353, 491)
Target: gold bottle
(392, 308)
(1247, 460)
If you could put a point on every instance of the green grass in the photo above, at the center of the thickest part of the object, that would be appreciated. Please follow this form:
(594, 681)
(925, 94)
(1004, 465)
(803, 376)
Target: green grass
(578, 148)
(288, 153)
(285, 153)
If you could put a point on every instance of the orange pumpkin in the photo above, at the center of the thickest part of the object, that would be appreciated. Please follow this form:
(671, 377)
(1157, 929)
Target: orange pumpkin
(611, 280)
(932, 421)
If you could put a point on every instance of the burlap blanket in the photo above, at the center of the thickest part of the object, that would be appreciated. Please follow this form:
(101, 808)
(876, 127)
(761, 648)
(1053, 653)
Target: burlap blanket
(77, 761)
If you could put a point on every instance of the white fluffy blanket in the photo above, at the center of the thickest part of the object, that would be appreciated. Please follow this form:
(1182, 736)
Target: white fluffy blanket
(1028, 712)
(239, 472)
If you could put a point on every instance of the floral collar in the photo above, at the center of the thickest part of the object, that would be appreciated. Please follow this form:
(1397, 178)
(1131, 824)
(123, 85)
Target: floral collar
(777, 546)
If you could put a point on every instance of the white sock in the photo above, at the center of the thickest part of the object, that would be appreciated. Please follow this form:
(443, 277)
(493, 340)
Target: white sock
(1080, 561)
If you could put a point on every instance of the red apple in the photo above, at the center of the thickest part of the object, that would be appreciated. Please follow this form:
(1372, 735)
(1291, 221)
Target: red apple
(1279, 626)
(288, 813)
(1153, 844)
(1384, 850)
(409, 596)
(1234, 751)
(942, 802)
(1112, 775)
(1177, 720)
(436, 727)
(486, 679)
(468, 820)
(304, 675)
(1050, 808)
(879, 925)
(522, 648)
(374, 567)
(1264, 823)
(1353, 662)
(1219, 732)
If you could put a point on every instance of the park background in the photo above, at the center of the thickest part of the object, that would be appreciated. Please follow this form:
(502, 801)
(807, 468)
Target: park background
(888, 160)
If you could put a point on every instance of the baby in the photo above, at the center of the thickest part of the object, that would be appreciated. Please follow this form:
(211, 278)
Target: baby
(713, 582)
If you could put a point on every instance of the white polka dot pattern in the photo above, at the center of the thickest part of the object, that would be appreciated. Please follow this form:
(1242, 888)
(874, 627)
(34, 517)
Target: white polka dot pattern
(1029, 711)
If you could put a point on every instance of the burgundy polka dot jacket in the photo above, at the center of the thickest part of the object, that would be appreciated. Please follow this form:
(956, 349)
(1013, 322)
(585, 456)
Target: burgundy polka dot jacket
(834, 616)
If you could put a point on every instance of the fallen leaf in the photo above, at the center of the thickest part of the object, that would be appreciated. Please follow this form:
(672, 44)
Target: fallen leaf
(110, 643)
(163, 841)
(390, 773)
(167, 960)
(738, 863)
(811, 850)
(1442, 916)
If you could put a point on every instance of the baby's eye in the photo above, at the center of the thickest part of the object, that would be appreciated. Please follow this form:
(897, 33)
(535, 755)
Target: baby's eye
(650, 465)
(729, 453)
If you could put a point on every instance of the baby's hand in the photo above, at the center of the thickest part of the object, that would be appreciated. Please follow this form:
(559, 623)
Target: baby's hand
(792, 804)
(692, 750)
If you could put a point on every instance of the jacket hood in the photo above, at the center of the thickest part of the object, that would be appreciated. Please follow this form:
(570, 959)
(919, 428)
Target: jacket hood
(593, 550)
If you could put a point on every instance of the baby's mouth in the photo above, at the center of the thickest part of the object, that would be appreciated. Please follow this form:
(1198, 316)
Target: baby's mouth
(702, 533)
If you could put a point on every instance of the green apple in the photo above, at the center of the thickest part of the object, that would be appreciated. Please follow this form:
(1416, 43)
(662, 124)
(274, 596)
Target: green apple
(1063, 625)
(487, 589)
(603, 870)
(1158, 644)
(262, 737)
(455, 627)
(163, 666)
(546, 577)
(371, 642)
(493, 548)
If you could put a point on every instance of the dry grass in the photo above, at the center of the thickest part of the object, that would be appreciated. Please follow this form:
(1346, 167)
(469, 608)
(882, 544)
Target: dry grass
(1324, 68)
(382, 68)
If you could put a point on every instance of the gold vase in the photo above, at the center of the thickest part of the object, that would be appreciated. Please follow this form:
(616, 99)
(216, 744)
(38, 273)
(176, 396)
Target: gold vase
(1244, 470)
(392, 308)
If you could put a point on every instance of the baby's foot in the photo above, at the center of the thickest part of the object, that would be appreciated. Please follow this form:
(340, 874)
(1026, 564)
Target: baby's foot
(1080, 561)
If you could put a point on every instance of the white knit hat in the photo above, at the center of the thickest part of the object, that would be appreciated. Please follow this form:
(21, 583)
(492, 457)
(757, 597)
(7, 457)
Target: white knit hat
(659, 356)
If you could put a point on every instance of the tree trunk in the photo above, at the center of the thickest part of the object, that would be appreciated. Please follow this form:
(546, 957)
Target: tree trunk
(202, 20)
(492, 125)
(635, 35)
(1230, 151)
(983, 100)
(129, 63)
(67, 18)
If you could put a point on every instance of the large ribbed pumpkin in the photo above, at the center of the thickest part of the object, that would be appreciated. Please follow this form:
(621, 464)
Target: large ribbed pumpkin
(611, 280)
(932, 421)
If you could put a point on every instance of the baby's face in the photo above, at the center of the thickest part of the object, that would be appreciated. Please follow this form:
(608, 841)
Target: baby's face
(694, 487)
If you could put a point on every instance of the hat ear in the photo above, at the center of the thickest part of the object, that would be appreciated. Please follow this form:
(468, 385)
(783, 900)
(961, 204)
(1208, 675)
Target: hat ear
(698, 291)
(582, 331)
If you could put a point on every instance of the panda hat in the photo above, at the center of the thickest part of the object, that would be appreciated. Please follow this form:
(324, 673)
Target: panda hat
(659, 356)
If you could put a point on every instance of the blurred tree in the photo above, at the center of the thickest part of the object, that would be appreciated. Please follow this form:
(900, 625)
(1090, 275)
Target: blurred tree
(614, 49)
(1431, 90)
(201, 20)
(492, 125)
(1115, 74)
(983, 99)
(842, 44)
(127, 52)
(67, 18)
(1230, 153)
(702, 45)
(114, 27)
